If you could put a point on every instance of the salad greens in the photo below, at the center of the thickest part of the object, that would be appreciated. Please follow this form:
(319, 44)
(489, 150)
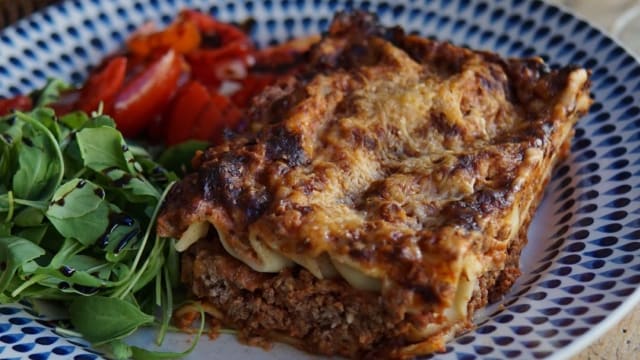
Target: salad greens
(77, 212)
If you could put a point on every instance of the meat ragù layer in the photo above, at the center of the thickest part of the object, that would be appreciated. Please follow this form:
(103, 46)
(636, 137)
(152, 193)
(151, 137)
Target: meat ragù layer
(406, 168)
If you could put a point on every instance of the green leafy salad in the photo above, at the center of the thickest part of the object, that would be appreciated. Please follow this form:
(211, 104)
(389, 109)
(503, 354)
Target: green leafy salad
(77, 214)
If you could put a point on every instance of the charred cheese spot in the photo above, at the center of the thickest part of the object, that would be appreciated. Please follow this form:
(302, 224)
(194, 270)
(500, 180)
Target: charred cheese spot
(403, 166)
(283, 145)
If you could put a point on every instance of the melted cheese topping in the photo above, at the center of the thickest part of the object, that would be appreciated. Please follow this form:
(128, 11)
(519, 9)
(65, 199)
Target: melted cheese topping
(405, 178)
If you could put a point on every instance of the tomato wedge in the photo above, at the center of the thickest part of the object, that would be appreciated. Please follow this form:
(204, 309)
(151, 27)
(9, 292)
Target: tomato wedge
(147, 94)
(19, 102)
(103, 86)
(223, 115)
(189, 103)
(67, 102)
(201, 115)
(251, 86)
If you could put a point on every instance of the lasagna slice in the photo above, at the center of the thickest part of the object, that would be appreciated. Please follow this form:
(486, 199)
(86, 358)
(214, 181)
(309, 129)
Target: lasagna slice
(380, 195)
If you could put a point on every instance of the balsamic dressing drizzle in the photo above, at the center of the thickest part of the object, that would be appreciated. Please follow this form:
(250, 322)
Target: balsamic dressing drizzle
(67, 270)
(115, 220)
(125, 240)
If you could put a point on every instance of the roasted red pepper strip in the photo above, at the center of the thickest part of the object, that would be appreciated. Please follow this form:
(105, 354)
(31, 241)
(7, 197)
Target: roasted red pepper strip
(19, 102)
(211, 27)
(211, 66)
(147, 94)
(212, 56)
(183, 36)
(103, 86)
(286, 56)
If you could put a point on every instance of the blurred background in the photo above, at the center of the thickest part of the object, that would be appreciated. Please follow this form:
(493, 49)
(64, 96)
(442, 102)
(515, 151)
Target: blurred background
(619, 18)
(11, 10)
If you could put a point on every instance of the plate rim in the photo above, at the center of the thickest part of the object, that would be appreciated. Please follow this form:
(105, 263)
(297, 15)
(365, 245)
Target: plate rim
(613, 317)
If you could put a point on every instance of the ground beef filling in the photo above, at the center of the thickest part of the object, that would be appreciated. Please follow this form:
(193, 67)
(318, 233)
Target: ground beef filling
(322, 316)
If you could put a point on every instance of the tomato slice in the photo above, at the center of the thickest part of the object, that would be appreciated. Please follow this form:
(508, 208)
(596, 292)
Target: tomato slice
(147, 94)
(190, 101)
(19, 102)
(103, 86)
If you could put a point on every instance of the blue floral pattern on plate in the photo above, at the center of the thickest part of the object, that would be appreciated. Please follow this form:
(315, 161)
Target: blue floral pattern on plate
(25, 335)
(581, 269)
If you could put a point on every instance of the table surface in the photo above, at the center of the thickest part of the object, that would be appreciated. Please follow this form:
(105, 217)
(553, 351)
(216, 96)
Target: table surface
(621, 19)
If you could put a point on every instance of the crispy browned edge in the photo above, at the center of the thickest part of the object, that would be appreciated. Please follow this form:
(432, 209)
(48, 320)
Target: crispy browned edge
(329, 316)
(321, 316)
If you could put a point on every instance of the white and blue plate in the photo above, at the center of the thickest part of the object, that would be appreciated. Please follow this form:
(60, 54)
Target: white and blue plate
(581, 269)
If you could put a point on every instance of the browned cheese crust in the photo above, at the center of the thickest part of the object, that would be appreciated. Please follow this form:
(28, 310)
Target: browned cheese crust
(391, 182)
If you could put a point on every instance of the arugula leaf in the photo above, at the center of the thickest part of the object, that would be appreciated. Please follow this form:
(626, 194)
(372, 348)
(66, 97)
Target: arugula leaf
(86, 263)
(5, 229)
(55, 171)
(102, 148)
(63, 235)
(47, 118)
(135, 186)
(29, 217)
(173, 264)
(79, 211)
(77, 277)
(35, 234)
(140, 353)
(102, 319)
(14, 253)
(50, 92)
(74, 120)
(178, 157)
(120, 350)
(11, 129)
(36, 176)
(86, 228)
(67, 249)
(75, 198)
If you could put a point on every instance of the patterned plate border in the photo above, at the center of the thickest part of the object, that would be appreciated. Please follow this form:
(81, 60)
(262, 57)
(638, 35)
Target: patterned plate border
(582, 267)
